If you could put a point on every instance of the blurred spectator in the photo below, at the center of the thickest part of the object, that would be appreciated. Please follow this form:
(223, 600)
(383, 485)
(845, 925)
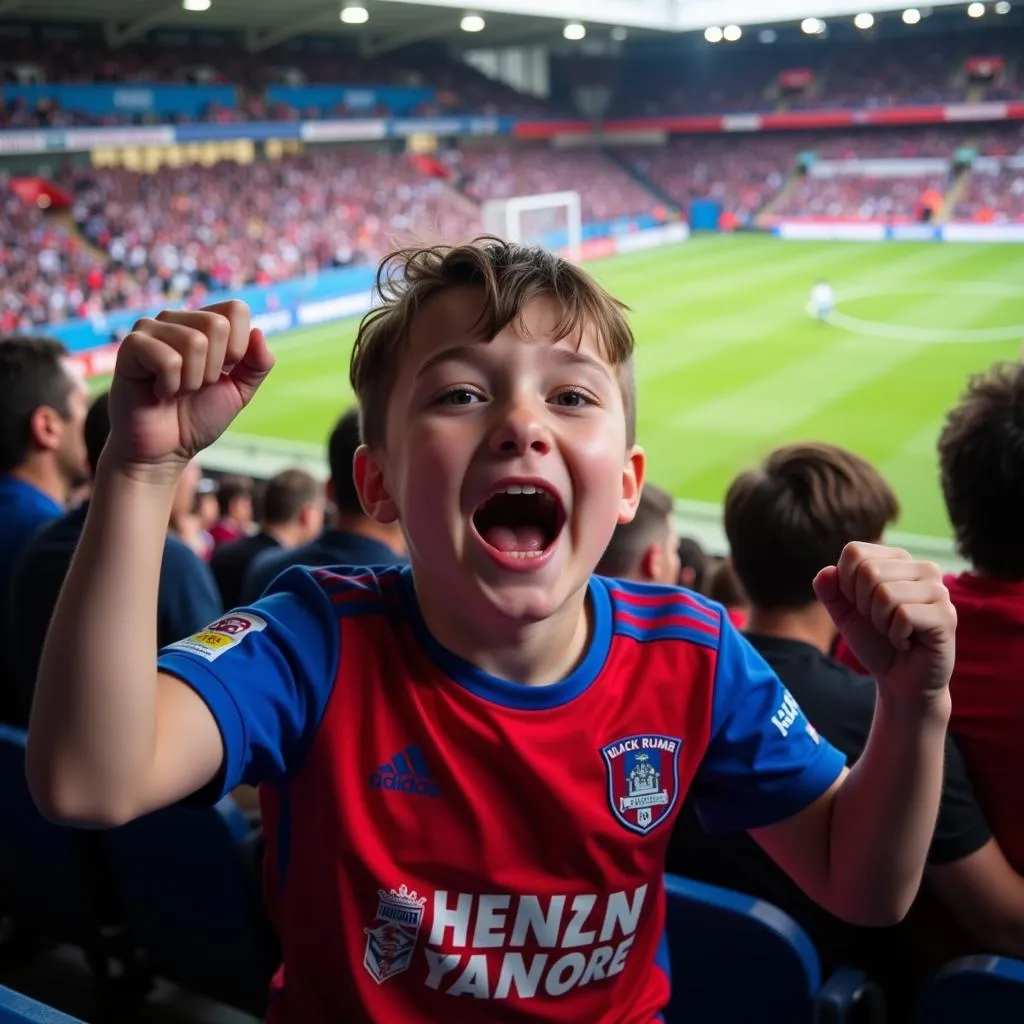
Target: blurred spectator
(234, 501)
(185, 524)
(785, 522)
(693, 564)
(645, 549)
(187, 599)
(206, 508)
(725, 588)
(352, 538)
(43, 403)
(981, 456)
(293, 514)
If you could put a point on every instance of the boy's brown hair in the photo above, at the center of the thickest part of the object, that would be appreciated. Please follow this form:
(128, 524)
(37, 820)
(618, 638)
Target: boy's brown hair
(981, 462)
(511, 275)
(650, 525)
(792, 517)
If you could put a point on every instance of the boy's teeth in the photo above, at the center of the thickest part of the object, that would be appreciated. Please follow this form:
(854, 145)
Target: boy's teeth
(521, 489)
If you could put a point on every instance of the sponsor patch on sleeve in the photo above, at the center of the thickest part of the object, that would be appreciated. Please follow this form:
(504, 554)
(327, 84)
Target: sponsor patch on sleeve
(220, 636)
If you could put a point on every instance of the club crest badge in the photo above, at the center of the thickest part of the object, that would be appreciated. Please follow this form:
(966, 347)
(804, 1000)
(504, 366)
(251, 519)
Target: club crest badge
(643, 779)
(391, 938)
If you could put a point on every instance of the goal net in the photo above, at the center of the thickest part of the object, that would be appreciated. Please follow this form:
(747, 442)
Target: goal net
(553, 220)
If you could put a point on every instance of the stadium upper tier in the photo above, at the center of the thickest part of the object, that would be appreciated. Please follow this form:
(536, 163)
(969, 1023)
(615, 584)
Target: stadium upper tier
(655, 78)
(134, 240)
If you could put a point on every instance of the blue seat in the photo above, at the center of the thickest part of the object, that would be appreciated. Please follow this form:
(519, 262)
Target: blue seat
(192, 901)
(51, 878)
(733, 957)
(18, 1009)
(979, 988)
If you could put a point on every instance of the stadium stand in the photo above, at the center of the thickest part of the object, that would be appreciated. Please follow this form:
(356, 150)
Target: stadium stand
(711, 932)
(18, 1009)
(989, 987)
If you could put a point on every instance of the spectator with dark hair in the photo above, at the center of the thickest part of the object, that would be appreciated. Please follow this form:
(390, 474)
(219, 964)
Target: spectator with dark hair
(187, 598)
(42, 454)
(693, 564)
(645, 548)
(293, 514)
(784, 522)
(234, 499)
(724, 587)
(352, 538)
(981, 456)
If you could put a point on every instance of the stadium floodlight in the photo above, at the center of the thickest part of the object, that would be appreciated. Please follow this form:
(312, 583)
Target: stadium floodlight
(732, 33)
(713, 34)
(619, 34)
(354, 14)
(812, 27)
(1002, 7)
(553, 220)
(975, 10)
(196, 5)
(911, 16)
(574, 31)
(472, 23)
(864, 21)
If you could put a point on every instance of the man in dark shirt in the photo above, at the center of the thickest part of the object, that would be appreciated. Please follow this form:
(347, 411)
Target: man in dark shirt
(42, 459)
(352, 538)
(187, 598)
(784, 522)
(292, 514)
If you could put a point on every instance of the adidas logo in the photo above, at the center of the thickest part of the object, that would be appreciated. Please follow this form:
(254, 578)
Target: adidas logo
(406, 772)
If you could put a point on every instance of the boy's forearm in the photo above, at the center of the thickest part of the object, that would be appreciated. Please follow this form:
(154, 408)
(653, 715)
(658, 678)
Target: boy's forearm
(884, 814)
(94, 713)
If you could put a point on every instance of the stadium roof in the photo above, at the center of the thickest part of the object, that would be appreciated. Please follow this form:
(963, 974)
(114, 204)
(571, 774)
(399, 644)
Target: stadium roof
(396, 23)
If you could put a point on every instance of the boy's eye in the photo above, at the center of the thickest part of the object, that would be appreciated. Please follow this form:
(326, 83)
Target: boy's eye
(573, 398)
(458, 396)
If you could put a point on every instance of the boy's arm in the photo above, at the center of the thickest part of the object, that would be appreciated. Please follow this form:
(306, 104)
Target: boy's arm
(110, 738)
(859, 850)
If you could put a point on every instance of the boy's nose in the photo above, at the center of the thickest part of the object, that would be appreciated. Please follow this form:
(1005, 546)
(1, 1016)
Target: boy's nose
(521, 429)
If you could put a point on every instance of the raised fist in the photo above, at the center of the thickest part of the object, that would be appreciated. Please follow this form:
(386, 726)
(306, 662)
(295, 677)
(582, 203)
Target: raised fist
(179, 381)
(895, 615)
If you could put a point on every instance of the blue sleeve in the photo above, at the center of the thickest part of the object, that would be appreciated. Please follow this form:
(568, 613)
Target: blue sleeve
(764, 762)
(266, 672)
(188, 597)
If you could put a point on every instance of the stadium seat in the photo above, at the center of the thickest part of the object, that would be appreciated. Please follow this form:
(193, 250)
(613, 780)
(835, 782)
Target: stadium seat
(18, 1009)
(982, 988)
(733, 957)
(192, 901)
(53, 880)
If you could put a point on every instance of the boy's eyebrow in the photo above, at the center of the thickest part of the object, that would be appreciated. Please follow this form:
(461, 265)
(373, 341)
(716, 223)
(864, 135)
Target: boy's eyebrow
(469, 354)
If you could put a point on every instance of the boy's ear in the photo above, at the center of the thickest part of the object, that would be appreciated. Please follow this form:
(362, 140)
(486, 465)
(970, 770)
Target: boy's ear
(372, 487)
(633, 473)
(45, 427)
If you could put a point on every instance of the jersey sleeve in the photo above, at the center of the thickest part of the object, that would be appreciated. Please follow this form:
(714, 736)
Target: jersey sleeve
(765, 761)
(266, 672)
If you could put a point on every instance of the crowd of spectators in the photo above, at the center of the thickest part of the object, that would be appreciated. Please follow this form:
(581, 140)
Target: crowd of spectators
(993, 198)
(864, 197)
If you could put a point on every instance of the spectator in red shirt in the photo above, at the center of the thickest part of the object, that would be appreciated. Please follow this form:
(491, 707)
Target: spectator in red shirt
(981, 455)
(234, 495)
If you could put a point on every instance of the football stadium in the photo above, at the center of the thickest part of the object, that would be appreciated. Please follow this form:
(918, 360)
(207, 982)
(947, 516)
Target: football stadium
(578, 754)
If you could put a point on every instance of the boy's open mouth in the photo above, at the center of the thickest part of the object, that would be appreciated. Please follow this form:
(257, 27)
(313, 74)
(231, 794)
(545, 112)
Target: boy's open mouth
(520, 520)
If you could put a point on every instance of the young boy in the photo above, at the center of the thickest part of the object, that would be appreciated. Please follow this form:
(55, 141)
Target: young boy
(470, 767)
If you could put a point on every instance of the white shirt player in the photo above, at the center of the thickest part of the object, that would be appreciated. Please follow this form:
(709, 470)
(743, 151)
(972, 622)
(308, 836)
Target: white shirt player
(822, 300)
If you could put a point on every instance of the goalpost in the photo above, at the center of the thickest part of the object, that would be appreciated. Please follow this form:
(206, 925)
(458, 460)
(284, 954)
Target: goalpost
(553, 220)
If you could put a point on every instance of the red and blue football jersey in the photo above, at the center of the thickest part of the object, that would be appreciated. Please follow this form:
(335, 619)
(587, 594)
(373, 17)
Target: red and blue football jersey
(445, 845)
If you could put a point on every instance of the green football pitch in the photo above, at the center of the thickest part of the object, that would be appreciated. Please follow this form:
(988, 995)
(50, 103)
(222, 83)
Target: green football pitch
(730, 363)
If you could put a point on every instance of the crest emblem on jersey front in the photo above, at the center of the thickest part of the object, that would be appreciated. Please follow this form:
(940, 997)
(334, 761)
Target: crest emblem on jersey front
(643, 779)
(391, 938)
